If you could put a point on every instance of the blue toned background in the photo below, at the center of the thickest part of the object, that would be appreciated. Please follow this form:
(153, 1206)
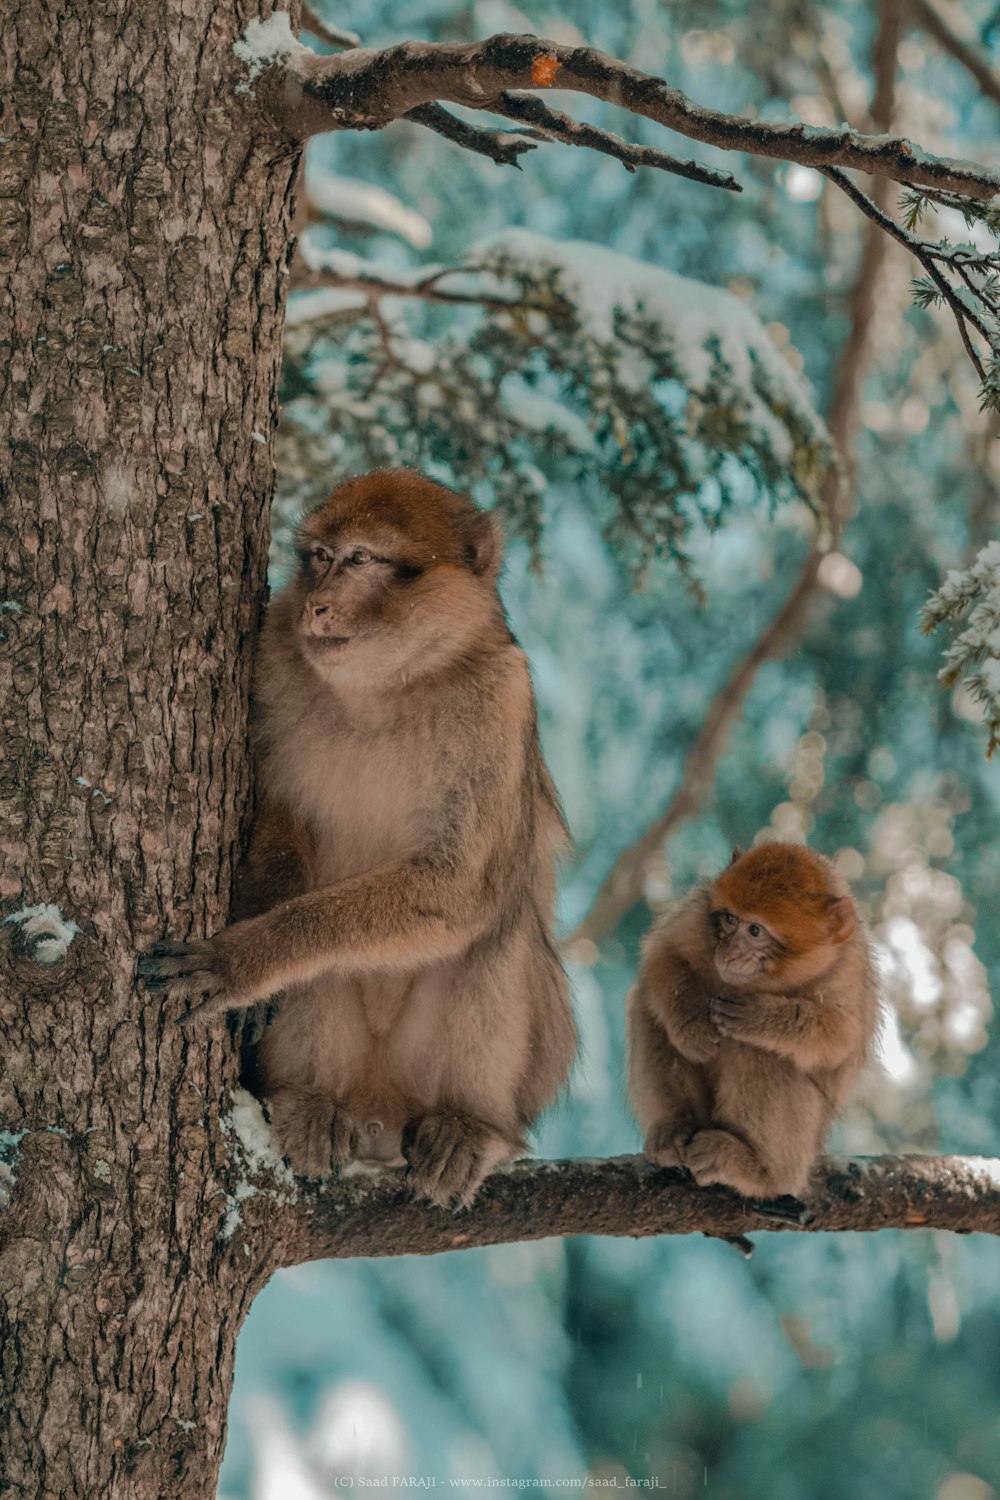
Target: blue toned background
(827, 1366)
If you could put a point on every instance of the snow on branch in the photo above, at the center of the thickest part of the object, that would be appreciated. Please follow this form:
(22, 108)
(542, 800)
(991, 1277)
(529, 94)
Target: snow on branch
(661, 393)
(352, 201)
(974, 656)
(626, 1196)
(367, 88)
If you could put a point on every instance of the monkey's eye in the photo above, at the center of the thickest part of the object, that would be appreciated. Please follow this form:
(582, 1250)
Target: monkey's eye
(319, 554)
(728, 920)
(755, 930)
(358, 556)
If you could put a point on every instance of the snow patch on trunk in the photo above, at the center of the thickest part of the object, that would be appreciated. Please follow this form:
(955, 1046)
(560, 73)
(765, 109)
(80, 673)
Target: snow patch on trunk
(46, 929)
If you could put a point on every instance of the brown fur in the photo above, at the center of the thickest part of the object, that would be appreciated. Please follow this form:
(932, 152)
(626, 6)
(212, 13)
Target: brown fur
(399, 886)
(743, 1045)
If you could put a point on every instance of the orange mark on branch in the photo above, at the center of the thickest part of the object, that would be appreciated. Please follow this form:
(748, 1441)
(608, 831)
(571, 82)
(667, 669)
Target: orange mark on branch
(912, 1218)
(544, 69)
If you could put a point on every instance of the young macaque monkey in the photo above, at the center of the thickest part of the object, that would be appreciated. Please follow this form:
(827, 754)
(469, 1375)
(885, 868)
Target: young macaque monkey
(754, 1010)
(398, 891)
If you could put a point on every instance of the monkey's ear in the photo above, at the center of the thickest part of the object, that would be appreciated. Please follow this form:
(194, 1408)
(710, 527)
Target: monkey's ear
(842, 916)
(483, 543)
(736, 854)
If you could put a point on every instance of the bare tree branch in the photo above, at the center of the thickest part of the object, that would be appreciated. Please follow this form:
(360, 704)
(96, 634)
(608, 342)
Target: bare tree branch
(366, 88)
(626, 1197)
(624, 885)
(559, 127)
(502, 146)
(429, 288)
(332, 35)
(928, 16)
(963, 313)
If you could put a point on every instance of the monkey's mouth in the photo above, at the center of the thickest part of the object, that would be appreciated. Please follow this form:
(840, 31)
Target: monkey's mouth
(747, 968)
(322, 641)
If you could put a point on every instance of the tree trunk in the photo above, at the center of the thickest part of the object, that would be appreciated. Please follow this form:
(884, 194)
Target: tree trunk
(144, 234)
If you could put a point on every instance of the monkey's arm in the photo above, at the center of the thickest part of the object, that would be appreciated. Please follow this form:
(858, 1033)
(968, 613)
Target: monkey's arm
(678, 999)
(423, 910)
(274, 868)
(815, 1034)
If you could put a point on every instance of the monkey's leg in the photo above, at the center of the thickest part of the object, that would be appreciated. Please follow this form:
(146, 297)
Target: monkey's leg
(767, 1128)
(470, 1045)
(314, 1131)
(720, 1156)
(670, 1094)
(451, 1154)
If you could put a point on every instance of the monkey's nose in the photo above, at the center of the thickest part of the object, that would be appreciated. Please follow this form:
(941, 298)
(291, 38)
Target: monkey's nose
(319, 618)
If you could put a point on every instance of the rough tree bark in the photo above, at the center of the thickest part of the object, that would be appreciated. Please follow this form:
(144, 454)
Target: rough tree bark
(144, 232)
(145, 212)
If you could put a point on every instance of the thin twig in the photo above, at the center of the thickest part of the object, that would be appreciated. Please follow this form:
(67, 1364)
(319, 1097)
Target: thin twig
(332, 35)
(560, 127)
(962, 312)
(502, 146)
(427, 289)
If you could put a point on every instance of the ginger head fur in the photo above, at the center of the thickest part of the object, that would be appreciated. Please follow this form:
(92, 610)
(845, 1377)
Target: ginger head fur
(780, 913)
(397, 580)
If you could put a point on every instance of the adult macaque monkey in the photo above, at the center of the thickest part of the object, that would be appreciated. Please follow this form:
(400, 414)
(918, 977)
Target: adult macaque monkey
(399, 886)
(754, 1010)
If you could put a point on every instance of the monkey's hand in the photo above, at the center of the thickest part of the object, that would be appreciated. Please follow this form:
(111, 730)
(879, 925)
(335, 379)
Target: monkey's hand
(206, 970)
(666, 1140)
(696, 1039)
(758, 1020)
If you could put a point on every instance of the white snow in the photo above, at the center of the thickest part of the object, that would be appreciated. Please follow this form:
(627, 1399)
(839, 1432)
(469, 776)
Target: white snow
(322, 302)
(245, 1127)
(246, 1119)
(599, 281)
(974, 655)
(47, 928)
(266, 42)
(538, 412)
(357, 202)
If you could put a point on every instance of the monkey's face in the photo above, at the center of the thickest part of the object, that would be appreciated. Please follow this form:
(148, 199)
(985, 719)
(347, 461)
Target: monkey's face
(397, 576)
(779, 913)
(745, 949)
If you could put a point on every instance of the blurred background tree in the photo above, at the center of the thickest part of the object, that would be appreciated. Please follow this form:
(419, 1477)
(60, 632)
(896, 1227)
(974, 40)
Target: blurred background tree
(725, 633)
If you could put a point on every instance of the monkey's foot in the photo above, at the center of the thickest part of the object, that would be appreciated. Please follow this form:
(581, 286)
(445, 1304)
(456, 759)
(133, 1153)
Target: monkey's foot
(313, 1131)
(666, 1141)
(449, 1156)
(717, 1156)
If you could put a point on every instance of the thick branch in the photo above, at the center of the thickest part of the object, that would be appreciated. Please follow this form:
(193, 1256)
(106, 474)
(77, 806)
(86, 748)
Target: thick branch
(366, 89)
(629, 1197)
